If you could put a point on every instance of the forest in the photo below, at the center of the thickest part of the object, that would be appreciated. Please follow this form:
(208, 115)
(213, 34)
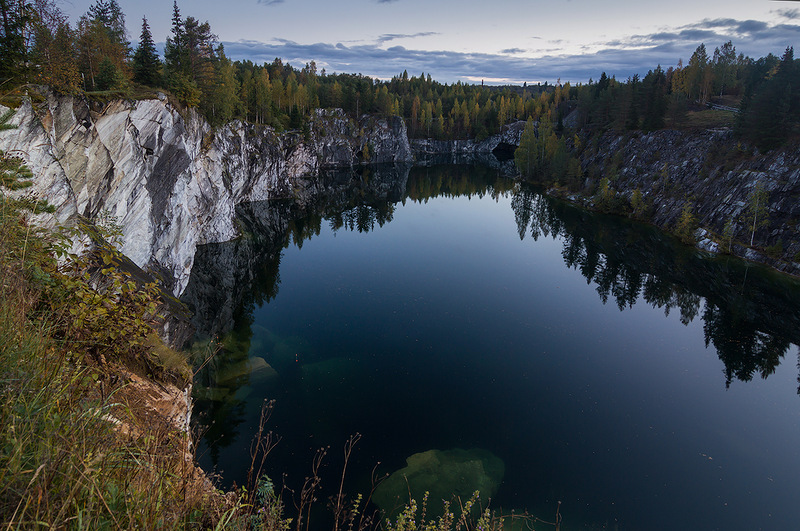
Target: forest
(94, 56)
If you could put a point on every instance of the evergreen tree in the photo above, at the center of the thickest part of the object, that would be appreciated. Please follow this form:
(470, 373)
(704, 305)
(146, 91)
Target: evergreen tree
(175, 50)
(108, 77)
(654, 96)
(602, 84)
(15, 17)
(109, 14)
(189, 60)
(101, 36)
(768, 110)
(14, 175)
(632, 121)
(146, 64)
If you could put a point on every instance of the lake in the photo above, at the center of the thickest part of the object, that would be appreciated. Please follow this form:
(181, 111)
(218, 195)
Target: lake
(640, 383)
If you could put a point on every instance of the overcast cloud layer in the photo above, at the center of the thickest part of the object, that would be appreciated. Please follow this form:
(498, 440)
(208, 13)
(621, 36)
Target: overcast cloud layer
(623, 57)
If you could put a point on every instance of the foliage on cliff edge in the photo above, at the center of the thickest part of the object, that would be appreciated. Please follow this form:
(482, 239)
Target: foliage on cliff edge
(80, 443)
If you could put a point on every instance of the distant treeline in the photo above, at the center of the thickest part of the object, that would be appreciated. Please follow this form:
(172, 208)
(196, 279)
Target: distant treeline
(38, 45)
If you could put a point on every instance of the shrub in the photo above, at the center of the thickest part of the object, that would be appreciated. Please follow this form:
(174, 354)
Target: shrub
(687, 224)
(76, 448)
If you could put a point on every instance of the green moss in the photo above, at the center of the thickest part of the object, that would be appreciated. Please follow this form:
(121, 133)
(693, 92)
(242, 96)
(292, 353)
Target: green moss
(444, 475)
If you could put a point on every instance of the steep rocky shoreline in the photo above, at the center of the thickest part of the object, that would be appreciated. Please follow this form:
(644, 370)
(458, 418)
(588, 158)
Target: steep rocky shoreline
(173, 183)
(717, 175)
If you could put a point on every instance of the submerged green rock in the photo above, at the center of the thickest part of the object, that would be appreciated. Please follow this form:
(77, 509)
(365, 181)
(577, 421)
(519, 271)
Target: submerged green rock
(255, 369)
(445, 475)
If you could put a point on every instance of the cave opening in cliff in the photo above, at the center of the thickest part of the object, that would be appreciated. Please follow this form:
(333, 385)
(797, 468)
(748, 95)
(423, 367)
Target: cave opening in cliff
(504, 151)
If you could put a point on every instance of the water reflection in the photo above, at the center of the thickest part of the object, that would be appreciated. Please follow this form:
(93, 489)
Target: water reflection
(749, 315)
(234, 277)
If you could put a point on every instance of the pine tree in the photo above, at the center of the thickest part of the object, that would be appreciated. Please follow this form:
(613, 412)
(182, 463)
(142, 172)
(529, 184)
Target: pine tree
(15, 16)
(101, 36)
(175, 50)
(14, 175)
(109, 77)
(189, 59)
(146, 64)
(769, 105)
(654, 99)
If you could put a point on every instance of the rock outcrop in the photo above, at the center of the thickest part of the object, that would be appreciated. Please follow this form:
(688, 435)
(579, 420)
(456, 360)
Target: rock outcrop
(169, 179)
(505, 142)
(172, 182)
(495, 151)
(717, 175)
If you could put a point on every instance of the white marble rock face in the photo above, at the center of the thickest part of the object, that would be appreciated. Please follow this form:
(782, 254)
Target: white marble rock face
(169, 179)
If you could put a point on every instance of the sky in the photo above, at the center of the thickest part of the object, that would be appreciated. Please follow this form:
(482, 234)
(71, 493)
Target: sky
(491, 41)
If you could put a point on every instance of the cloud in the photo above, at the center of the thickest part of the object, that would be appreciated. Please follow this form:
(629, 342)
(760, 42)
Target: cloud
(269, 2)
(392, 36)
(751, 37)
(752, 27)
(624, 57)
(791, 14)
(447, 66)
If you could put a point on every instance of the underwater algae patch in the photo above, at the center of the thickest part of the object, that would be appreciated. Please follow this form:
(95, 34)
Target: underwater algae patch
(444, 475)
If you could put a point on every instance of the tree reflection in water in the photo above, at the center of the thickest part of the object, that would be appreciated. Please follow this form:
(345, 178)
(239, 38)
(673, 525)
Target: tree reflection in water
(750, 314)
(751, 322)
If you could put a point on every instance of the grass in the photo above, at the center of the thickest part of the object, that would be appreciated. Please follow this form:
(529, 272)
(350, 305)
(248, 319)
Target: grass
(76, 450)
(708, 119)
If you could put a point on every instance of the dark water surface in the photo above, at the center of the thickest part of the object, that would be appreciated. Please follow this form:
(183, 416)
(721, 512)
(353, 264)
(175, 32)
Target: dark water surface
(641, 384)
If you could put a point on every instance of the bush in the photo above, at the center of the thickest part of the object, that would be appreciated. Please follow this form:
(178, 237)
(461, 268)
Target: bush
(775, 250)
(687, 225)
(76, 449)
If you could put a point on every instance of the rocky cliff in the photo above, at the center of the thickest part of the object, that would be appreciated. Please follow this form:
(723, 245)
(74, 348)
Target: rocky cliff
(504, 142)
(173, 183)
(169, 179)
(717, 175)
(496, 151)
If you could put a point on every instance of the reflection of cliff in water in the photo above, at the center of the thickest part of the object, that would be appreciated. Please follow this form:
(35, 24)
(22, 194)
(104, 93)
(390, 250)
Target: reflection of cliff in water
(750, 314)
(504, 166)
(232, 277)
(229, 280)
